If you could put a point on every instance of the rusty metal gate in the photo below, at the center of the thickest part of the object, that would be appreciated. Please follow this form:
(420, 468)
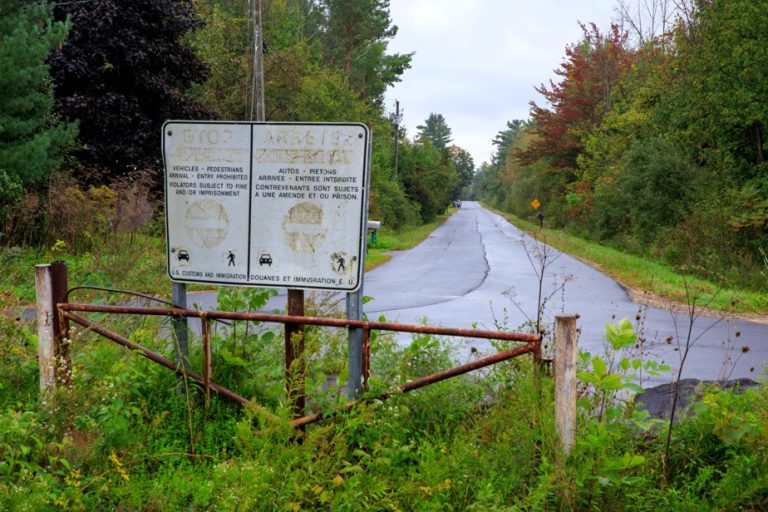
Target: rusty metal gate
(62, 312)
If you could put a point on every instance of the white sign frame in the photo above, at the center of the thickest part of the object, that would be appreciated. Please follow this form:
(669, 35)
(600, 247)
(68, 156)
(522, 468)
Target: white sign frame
(266, 204)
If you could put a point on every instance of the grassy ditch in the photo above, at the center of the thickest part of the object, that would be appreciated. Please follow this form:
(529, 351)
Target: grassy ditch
(401, 241)
(125, 261)
(647, 280)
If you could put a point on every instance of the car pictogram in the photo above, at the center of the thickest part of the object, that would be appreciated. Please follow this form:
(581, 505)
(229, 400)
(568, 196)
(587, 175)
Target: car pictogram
(183, 255)
(265, 259)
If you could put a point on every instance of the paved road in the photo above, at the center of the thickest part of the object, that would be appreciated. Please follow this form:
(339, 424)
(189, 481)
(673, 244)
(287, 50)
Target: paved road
(479, 270)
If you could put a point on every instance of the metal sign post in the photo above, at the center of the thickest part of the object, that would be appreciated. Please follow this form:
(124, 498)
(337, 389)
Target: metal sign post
(354, 305)
(180, 331)
(355, 312)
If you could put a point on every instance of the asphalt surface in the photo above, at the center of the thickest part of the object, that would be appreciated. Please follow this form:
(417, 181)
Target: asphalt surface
(479, 271)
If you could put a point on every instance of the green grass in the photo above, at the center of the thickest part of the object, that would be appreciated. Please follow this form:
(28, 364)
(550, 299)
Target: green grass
(125, 438)
(649, 279)
(137, 262)
(125, 262)
(400, 241)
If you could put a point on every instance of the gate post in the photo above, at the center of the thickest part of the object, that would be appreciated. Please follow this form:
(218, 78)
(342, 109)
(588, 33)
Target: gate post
(565, 380)
(294, 354)
(52, 350)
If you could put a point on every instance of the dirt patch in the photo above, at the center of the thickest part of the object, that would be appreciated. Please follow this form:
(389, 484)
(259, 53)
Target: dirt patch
(648, 299)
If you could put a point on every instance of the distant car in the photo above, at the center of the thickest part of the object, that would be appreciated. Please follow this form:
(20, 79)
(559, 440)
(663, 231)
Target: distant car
(265, 259)
(182, 255)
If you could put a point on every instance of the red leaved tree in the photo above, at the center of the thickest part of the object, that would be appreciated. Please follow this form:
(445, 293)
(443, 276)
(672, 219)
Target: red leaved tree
(591, 72)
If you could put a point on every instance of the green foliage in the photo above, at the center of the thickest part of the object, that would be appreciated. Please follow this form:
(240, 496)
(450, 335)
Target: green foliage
(465, 169)
(650, 196)
(505, 140)
(388, 202)
(324, 61)
(32, 139)
(126, 262)
(223, 44)
(622, 367)
(130, 436)
(659, 148)
(429, 178)
(355, 37)
(435, 130)
(248, 354)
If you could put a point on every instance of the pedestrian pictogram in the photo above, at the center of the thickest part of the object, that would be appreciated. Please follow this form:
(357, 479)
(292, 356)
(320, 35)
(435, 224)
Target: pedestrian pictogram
(339, 262)
(231, 259)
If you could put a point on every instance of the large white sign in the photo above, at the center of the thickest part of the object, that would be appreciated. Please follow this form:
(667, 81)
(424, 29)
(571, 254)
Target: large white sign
(266, 204)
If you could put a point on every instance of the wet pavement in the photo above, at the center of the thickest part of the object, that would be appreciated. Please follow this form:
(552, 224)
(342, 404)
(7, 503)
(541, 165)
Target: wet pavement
(479, 271)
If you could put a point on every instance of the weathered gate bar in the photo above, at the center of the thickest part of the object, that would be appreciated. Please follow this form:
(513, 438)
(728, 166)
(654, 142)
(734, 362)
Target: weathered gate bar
(154, 356)
(306, 320)
(533, 345)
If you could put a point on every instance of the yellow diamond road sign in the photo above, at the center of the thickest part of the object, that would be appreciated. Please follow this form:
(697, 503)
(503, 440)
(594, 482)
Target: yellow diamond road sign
(535, 203)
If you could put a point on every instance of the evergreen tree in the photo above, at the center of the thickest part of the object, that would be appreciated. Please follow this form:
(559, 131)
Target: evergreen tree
(355, 39)
(504, 139)
(32, 140)
(123, 71)
(436, 130)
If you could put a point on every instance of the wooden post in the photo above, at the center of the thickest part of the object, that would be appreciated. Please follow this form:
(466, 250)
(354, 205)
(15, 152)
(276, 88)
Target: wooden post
(46, 317)
(565, 380)
(52, 350)
(60, 286)
(294, 354)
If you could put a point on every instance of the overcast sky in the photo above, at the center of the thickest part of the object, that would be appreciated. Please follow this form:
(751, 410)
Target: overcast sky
(477, 61)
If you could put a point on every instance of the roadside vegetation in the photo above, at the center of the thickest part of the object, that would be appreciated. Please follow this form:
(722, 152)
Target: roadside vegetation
(130, 436)
(652, 142)
(81, 181)
(649, 281)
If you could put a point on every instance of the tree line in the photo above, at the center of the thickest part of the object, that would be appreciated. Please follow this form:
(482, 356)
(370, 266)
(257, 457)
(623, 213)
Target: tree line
(652, 138)
(87, 85)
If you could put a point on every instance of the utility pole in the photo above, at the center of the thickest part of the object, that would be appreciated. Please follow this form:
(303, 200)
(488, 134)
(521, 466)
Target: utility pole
(294, 333)
(257, 98)
(398, 119)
